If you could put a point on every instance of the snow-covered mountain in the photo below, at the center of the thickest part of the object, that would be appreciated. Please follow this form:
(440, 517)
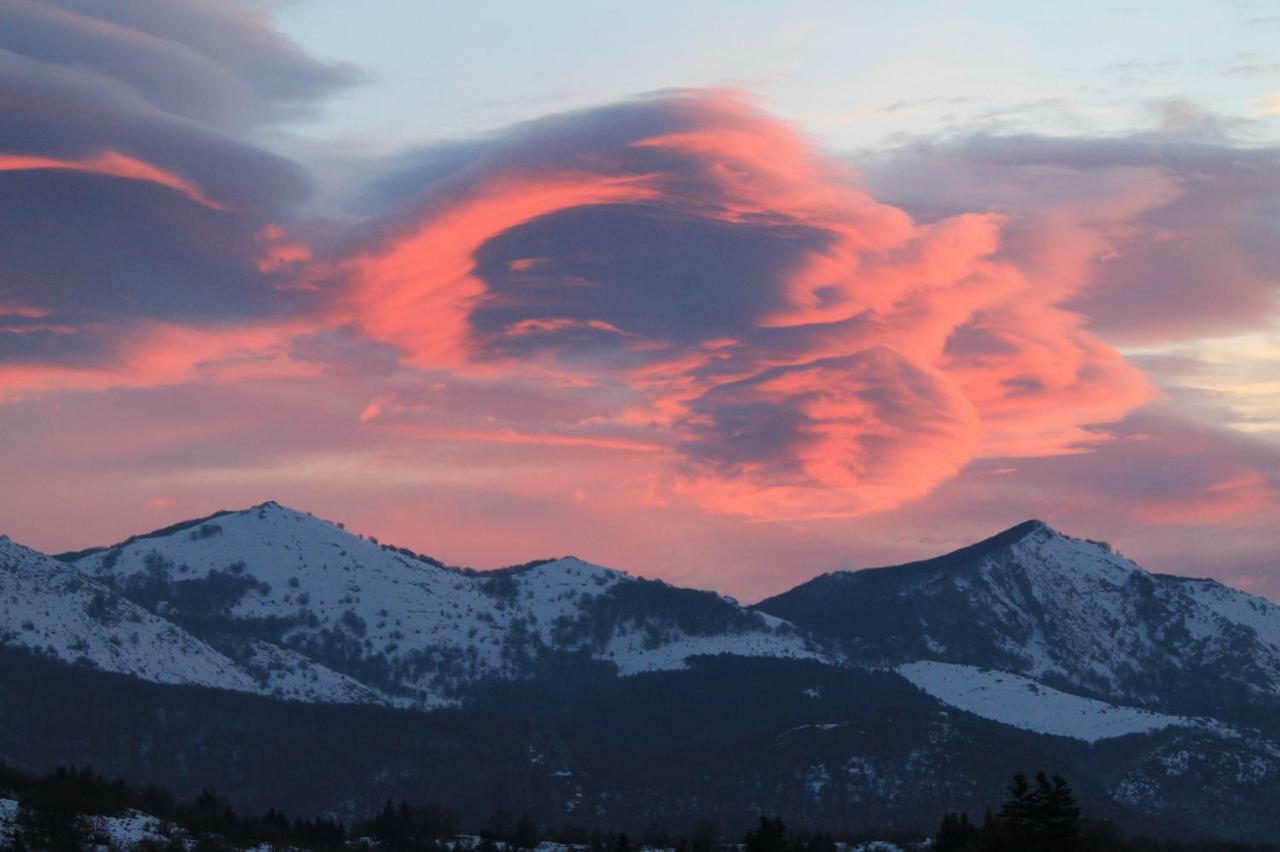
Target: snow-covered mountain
(1071, 613)
(849, 689)
(1025, 703)
(276, 589)
(52, 609)
(294, 606)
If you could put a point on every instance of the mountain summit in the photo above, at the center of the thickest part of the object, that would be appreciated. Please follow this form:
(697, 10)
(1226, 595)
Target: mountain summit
(276, 589)
(1070, 612)
(884, 693)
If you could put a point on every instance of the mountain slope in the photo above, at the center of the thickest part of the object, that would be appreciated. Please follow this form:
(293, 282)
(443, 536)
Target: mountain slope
(1069, 612)
(405, 625)
(49, 608)
(1024, 703)
(584, 693)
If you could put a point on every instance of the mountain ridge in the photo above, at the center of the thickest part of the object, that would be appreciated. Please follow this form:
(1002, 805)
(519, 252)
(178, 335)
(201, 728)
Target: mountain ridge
(407, 625)
(1072, 612)
(831, 691)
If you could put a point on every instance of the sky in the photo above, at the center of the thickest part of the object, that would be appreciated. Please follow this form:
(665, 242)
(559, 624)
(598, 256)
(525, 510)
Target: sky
(727, 294)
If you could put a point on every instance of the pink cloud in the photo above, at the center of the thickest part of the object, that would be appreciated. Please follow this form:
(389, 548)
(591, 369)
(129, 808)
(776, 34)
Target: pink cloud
(671, 305)
(157, 354)
(111, 164)
(879, 357)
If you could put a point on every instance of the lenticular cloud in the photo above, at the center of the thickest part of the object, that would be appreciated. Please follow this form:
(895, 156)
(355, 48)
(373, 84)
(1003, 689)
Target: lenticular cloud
(732, 301)
(680, 284)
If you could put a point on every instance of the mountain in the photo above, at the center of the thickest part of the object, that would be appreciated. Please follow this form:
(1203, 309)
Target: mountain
(274, 588)
(286, 662)
(50, 608)
(1069, 613)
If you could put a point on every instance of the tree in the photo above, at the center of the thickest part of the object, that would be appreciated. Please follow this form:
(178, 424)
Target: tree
(1043, 818)
(702, 836)
(956, 834)
(1056, 813)
(526, 834)
(771, 836)
(49, 820)
(1017, 822)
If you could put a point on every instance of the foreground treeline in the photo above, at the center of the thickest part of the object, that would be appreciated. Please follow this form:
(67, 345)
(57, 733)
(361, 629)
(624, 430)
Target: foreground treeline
(1043, 816)
(71, 810)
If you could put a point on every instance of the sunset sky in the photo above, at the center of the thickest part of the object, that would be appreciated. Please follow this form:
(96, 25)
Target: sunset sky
(726, 293)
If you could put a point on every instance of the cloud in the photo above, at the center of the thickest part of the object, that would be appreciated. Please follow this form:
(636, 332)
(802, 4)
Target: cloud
(798, 348)
(679, 287)
(1160, 237)
(147, 238)
(633, 331)
(216, 62)
(1266, 106)
(112, 165)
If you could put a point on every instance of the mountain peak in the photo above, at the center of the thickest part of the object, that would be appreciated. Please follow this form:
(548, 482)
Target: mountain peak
(1001, 541)
(1018, 532)
(1033, 525)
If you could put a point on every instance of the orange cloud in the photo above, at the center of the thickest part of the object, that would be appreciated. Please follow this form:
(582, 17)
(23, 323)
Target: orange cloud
(111, 164)
(417, 292)
(17, 309)
(160, 354)
(689, 281)
(876, 359)
(1239, 495)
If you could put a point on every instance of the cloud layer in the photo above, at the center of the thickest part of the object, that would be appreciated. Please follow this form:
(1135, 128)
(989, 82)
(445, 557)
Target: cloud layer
(675, 312)
(794, 347)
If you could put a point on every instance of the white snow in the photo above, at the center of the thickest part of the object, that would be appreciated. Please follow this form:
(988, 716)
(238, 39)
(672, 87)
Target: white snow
(442, 629)
(8, 820)
(129, 830)
(1076, 611)
(104, 833)
(1235, 607)
(629, 654)
(1023, 703)
(290, 675)
(468, 624)
(49, 607)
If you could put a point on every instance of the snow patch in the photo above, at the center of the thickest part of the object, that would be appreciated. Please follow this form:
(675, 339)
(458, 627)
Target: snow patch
(1024, 703)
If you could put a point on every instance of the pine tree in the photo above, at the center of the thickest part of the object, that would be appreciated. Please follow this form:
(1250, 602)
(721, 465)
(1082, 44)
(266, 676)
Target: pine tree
(702, 836)
(1016, 824)
(526, 834)
(50, 822)
(1057, 814)
(770, 837)
(955, 834)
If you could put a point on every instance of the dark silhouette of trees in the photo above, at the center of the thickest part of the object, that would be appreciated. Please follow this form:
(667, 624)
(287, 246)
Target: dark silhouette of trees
(407, 828)
(1043, 817)
(956, 834)
(702, 836)
(770, 836)
(56, 814)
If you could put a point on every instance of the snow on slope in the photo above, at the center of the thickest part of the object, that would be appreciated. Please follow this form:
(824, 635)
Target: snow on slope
(130, 830)
(1085, 586)
(126, 831)
(48, 607)
(287, 674)
(8, 821)
(631, 655)
(1111, 619)
(1024, 703)
(1233, 607)
(424, 629)
(1052, 607)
